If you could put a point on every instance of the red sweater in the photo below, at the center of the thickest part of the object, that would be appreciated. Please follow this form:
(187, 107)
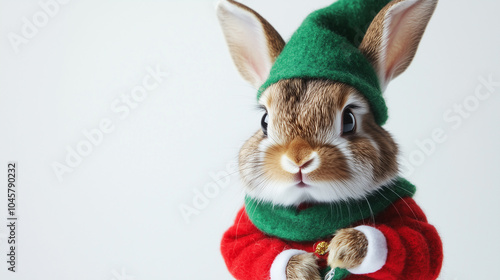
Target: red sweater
(413, 247)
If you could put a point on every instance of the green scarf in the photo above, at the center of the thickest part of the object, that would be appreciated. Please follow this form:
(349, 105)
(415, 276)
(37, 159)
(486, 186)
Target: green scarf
(322, 220)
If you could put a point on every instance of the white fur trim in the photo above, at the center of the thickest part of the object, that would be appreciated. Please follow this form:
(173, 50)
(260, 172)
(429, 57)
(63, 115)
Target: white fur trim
(278, 268)
(376, 255)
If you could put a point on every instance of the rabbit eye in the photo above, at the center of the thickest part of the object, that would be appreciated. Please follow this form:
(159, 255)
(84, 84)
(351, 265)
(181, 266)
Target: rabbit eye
(263, 123)
(348, 122)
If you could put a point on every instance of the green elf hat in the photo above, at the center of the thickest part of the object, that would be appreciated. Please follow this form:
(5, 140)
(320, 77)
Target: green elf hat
(326, 47)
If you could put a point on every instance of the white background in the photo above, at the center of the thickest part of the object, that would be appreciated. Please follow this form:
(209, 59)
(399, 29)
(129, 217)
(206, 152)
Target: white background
(116, 215)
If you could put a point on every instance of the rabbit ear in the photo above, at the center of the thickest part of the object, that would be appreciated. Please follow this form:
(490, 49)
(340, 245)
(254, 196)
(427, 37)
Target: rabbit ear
(392, 39)
(254, 44)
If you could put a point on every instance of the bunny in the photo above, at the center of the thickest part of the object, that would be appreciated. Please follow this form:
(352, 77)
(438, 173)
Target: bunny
(323, 194)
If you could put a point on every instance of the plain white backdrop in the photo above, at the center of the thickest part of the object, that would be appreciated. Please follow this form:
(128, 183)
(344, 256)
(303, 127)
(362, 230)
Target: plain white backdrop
(117, 213)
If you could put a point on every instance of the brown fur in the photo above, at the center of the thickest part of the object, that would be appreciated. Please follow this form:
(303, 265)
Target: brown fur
(272, 164)
(302, 267)
(385, 164)
(250, 164)
(299, 150)
(304, 108)
(333, 165)
(303, 113)
(347, 249)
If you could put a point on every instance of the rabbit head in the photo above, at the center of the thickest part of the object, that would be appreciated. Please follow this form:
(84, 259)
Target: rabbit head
(319, 140)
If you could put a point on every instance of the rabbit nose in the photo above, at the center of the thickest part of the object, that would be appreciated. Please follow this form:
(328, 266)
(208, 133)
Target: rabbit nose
(311, 164)
(300, 157)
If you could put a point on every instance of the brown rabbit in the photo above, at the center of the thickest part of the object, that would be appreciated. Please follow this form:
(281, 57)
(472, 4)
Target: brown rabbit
(321, 175)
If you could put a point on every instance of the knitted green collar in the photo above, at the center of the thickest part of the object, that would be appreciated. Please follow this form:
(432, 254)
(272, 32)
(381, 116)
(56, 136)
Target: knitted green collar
(322, 220)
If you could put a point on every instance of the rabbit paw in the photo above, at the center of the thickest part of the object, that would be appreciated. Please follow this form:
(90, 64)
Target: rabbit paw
(347, 249)
(302, 267)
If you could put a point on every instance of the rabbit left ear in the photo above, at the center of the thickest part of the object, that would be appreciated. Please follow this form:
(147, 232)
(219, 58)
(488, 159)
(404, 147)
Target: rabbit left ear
(254, 44)
(392, 39)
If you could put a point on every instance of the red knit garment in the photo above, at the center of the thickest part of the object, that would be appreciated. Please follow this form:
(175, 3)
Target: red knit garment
(414, 247)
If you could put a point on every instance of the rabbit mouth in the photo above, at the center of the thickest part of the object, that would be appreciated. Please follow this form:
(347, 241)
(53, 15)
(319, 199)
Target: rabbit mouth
(301, 184)
(300, 177)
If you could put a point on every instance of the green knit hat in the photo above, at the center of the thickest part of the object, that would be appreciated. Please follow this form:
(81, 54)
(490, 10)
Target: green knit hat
(326, 47)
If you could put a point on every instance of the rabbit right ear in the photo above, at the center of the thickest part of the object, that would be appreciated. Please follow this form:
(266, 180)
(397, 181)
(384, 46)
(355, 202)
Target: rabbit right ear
(393, 37)
(254, 44)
